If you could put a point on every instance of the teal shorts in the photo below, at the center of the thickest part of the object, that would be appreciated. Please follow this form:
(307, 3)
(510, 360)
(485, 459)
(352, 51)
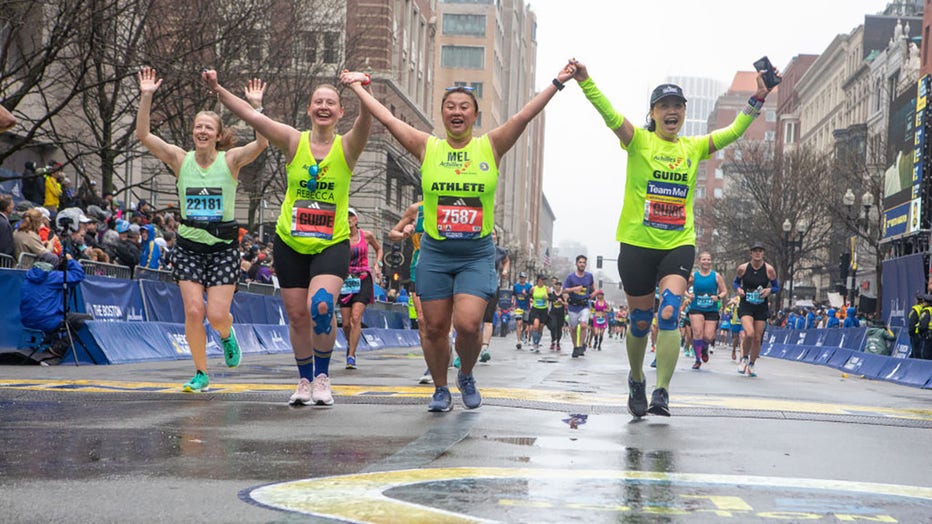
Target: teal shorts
(453, 267)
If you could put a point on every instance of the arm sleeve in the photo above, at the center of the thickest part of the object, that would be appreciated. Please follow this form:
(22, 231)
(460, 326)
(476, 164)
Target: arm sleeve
(775, 286)
(612, 119)
(725, 136)
(736, 283)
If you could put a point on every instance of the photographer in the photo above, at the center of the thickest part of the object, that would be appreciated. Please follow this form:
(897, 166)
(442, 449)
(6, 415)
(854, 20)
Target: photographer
(42, 302)
(72, 226)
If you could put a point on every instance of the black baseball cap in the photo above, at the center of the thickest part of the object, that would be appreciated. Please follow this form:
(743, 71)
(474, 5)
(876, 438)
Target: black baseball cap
(757, 244)
(665, 90)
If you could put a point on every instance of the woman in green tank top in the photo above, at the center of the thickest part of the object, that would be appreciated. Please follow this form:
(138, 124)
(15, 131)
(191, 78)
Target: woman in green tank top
(456, 268)
(207, 183)
(312, 250)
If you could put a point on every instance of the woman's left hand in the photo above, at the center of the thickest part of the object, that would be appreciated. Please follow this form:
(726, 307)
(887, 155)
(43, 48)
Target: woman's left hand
(762, 89)
(566, 74)
(255, 89)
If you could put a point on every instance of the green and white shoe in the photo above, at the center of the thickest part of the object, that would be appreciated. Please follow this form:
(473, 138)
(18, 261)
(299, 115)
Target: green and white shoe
(231, 352)
(197, 384)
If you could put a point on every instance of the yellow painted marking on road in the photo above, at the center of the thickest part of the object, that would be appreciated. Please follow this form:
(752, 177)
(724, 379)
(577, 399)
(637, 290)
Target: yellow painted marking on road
(361, 497)
(525, 395)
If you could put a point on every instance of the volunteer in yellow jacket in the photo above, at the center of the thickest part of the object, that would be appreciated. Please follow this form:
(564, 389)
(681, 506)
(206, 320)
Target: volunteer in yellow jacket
(206, 254)
(456, 270)
(311, 250)
(655, 230)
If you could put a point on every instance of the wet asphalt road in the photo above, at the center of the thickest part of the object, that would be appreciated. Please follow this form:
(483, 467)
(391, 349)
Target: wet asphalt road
(552, 443)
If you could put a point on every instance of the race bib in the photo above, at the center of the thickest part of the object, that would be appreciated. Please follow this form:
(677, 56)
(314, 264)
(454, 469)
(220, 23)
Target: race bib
(204, 203)
(704, 301)
(540, 303)
(665, 205)
(351, 286)
(459, 217)
(753, 297)
(313, 219)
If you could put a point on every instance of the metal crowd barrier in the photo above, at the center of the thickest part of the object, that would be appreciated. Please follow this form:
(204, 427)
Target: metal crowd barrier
(7, 261)
(26, 260)
(105, 270)
(145, 273)
(261, 289)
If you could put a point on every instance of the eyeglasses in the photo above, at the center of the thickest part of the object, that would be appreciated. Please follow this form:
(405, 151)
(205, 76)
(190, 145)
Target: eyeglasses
(312, 177)
(464, 88)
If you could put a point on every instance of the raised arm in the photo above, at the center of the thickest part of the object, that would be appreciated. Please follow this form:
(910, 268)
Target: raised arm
(402, 230)
(172, 155)
(720, 138)
(282, 136)
(7, 120)
(504, 136)
(354, 141)
(240, 156)
(622, 127)
(414, 140)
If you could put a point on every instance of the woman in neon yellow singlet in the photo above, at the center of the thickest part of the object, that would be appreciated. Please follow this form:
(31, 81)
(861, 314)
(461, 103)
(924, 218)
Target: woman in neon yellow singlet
(206, 256)
(312, 248)
(655, 230)
(456, 270)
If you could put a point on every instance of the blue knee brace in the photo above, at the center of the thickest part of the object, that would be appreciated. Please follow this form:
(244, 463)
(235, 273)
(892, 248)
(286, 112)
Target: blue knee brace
(322, 321)
(668, 299)
(641, 315)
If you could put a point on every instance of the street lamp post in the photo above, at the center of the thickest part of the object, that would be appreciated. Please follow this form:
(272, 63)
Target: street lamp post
(792, 244)
(861, 220)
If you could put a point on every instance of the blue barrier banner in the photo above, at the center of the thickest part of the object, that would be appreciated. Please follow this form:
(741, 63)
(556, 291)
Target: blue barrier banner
(374, 318)
(814, 337)
(162, 301)
(909, 372)
(853, 338)
(112, 299)
(251, 308)
(867, 364)
(903, 277)
(901, 346)
(371, 338)
(839, 358)
(11, 327)
(274, 338)
(124, 342)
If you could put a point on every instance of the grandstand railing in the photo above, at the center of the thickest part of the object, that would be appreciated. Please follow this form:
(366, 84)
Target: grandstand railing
(7, 261)
(105, 270)
(145, 273)
(26, 260)
(260, 289)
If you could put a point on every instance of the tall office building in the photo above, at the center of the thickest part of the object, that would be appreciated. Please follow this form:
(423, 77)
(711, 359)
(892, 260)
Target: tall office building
(701, 94)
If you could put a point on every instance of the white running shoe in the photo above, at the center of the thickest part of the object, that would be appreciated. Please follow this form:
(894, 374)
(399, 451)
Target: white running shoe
(425, 379)
(320, 391)
(302, 395)
(743, 366)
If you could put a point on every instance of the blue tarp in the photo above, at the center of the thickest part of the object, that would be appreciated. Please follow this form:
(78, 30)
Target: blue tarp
(112, 299)
(162, 301)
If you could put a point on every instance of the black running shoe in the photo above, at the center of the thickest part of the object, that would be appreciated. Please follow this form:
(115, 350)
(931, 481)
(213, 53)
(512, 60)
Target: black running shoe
(659, 403)
(637, 397)
(575, 352)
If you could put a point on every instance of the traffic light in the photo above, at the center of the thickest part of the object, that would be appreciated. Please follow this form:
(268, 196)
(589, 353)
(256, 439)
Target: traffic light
(598, 263)
(395, 276)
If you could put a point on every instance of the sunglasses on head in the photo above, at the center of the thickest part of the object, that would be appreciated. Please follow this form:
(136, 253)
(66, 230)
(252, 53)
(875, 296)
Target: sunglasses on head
(463, 88)
(312, 177)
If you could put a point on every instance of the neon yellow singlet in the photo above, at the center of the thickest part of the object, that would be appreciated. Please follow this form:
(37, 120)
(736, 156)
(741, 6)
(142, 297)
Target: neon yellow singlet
(659, 190)
(459, 189)
(207, 195)
(311, 221)
(539, 296)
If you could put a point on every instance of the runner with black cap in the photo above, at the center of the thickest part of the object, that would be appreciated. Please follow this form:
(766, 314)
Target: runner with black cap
(756, 280)
(656, 228)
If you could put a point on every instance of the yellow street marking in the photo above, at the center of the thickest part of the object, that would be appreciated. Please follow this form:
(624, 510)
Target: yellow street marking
(360, 497)
(526, 395)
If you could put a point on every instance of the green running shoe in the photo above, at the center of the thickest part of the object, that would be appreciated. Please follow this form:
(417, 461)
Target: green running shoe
(197, 384)
(231, 352)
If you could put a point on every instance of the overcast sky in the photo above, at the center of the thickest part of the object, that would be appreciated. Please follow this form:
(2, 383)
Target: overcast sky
(629, 48)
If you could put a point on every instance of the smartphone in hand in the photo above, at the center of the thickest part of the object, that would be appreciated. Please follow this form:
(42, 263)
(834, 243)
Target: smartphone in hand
(770, 75)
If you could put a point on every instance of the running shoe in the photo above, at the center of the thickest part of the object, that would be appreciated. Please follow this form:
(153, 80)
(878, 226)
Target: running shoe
(535, 349)
(751, 372)
(441, 401)
(697, 365)
(426, 378)
(575, 352)
(485, 356)
(659, 403)
(302, 394)
(350, 362)
(456, 362)
(231, 353)
(518, 345)
(743, 365)
(705, 354)
(637, 397)
(320, 391)
(198, 383)
(467, 386)
(653, 363)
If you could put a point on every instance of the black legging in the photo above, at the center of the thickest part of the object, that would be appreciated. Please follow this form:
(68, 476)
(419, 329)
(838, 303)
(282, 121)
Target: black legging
(556, 325)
